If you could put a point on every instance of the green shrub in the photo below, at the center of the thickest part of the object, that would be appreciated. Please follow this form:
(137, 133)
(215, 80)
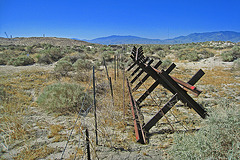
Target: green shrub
(236, 65)
(4, 58)
(21, 61)
(3, 93)
(161, 54)
(64, 98)
(45, 59)
(193, 56)
(233, 54)
(83, 65)
(71, 59)
(205, 54)
(50, 54)
(227, 56)
(189, 55)
(166, 63)
(82, 77)
(108, 55)
(83, 56)
(63, 67)
(182, 55)
(218, 139)
(236, 52)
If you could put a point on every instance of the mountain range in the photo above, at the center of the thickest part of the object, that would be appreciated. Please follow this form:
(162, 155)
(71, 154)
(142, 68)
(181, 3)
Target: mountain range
(194, 37)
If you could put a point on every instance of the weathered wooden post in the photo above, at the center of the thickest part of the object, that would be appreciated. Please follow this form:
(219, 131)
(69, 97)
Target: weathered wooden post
(123, 94)
(88, 146)
(115, 68)
(95, 107)
(109, 79)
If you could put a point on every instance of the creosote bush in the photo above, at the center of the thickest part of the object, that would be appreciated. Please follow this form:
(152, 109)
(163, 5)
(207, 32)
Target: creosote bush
(64, 98)
(236, 65)
(4, 58)
(63, 67)
(82, 65)
(218, 139)
(233, 54)
(50, 54)
(193, 56)
(166, 63)
(227, 56)
(21, 61)
(108, 55)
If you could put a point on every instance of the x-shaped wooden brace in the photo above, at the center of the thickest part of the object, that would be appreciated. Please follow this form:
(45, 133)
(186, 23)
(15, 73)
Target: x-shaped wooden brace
(177, 87)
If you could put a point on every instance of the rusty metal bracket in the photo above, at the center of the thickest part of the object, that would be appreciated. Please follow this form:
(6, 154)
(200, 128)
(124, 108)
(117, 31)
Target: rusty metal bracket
(139, 133)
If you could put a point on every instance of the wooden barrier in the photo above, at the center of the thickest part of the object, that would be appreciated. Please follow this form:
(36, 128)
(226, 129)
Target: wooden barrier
(177, 87)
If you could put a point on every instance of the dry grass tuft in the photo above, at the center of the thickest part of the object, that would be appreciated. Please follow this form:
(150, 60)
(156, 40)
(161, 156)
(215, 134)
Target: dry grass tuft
(34, 153)
(54, 131)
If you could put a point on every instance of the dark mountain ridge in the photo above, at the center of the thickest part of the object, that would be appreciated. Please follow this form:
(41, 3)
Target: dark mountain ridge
(194, 37)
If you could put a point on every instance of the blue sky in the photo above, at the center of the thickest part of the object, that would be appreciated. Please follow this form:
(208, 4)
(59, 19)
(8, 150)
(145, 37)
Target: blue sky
(89, 19)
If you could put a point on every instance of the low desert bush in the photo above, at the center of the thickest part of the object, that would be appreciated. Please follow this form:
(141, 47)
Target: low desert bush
(218, 139)
(64, 98)
(3, 93)
(21, 61)
(182, 55)
(236, 65)
(4, 58)
(233, 54)
(71, 59)
(82, 65)
(50, 55)
(81, 76)
(166, 63)
(193, 56)
(236, 52)
(63, 67)
(227, 56)
(108, 55)
(161, 53)
(205, 54)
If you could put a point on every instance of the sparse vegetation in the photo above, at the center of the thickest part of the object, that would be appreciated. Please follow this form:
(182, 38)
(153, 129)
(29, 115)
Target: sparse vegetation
(82, 65)
(231, 55)
(64, 98)
(166, 63)
(63, 67)
(50, 54)
(21, 61)
(35, 105)
(227, 56)
(236, 65)
(217, 139)
(34, 153)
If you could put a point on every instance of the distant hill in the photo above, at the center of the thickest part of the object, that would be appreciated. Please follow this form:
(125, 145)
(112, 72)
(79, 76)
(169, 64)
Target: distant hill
(195, 37)
(209, 36)
(29, 41)
(115, 39)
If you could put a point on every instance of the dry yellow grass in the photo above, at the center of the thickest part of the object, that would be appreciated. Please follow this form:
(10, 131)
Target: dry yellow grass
(32, 154)
(218, 77)
(54, 130)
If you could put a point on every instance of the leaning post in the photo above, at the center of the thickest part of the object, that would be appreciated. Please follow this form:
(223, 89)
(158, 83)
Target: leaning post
(95, 108)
